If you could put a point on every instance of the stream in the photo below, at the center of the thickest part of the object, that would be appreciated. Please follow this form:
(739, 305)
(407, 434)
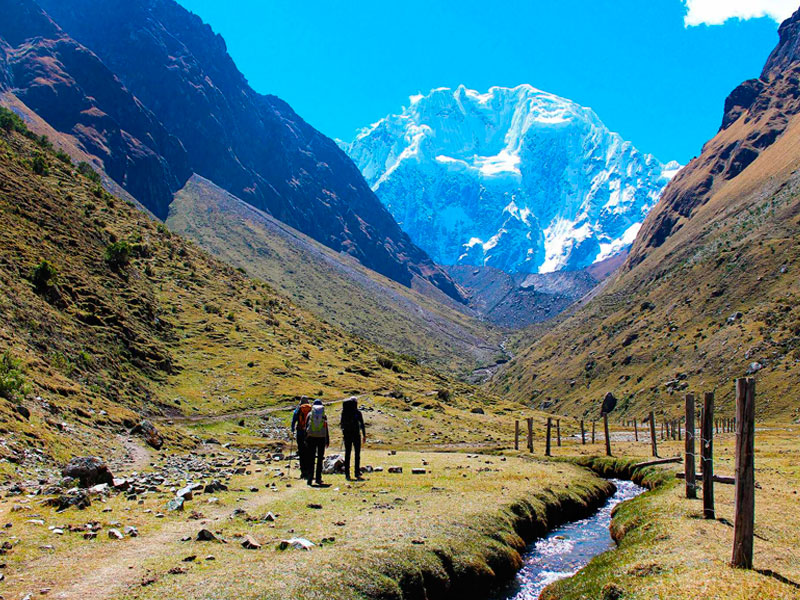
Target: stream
(567, 549)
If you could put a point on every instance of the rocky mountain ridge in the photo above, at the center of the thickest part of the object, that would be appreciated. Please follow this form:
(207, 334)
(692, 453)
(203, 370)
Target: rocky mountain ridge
(150, 90)
(514, 178)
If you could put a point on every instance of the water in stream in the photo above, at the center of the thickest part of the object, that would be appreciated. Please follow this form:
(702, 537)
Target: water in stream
(566, 550)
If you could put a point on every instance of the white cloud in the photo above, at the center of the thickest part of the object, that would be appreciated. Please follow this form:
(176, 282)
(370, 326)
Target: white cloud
(716, 12)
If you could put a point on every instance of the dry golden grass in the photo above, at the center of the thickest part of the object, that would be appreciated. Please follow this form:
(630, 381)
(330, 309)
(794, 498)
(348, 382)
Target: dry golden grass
(385, 529)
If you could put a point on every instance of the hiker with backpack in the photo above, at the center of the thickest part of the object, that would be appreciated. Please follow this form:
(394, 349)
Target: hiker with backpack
(353, 430)
(317, 439)
(299, 422)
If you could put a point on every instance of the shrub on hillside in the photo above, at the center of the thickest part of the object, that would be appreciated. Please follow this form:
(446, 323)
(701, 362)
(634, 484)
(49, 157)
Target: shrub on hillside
(85, 169)
(10, 121)
(39, 165)
(43, 276)
(12, 380)
(118, 255)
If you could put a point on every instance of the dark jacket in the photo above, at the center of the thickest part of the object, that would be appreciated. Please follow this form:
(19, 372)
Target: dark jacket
(352, 420)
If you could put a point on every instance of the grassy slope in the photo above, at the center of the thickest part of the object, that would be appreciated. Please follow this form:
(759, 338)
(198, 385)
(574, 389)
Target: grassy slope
(175, 332)
(668, 316)
(331, 285)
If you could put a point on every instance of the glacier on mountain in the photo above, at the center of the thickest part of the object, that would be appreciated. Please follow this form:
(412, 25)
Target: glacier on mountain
(515, 178)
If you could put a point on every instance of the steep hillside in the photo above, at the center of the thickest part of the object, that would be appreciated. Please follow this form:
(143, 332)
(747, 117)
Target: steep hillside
(426, 323)
(710, 291)
(75, 93)
(107, 317)
(514, 178)
(251, 145)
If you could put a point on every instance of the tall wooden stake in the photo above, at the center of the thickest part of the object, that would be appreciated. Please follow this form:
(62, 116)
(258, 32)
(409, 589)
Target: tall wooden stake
(745, 504)
(608, 437)
(583, 433)
(547, 442)
(558, 432)
(653, 442)
(530, 435)
(707, 445)
(592, 432)
(516, 434)
(691, 485)
(635, 430)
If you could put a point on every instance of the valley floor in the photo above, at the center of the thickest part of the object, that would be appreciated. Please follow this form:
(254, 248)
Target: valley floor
(458, 525)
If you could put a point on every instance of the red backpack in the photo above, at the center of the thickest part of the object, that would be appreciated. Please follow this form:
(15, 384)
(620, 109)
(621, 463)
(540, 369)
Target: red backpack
(302, 416)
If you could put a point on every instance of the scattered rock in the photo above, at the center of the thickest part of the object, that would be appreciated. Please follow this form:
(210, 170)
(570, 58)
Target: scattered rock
(176, 504)
(395, 470)
(314, 506)
(22, 411)
(249, 543)
(149, 433)
(131, 531)
(333, 464)
(418, 471)
(89, 471)
(204, 535)
(754, 368)
(478, 411)
(296, 543)
(115, 534)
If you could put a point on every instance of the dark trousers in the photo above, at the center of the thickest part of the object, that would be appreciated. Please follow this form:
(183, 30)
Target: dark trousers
(316, 451)
(302, 453)
(352, 440)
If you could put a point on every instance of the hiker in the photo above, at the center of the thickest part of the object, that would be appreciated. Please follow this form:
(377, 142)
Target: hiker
(299, 422)
(317, 439)
(352, 424)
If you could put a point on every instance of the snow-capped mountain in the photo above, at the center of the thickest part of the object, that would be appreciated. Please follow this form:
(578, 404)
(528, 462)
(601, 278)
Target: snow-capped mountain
(516, 179)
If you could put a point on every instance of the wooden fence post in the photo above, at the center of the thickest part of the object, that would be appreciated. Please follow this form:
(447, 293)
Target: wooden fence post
(608, 437)
(530, 435)
(653, 442)
(558, 432)
(635, 431)
(592, 432)
(707, 445)
(678, 421)
(583, 434)
(547, 442)
(691, 485)
(516, 434)
(745, 504)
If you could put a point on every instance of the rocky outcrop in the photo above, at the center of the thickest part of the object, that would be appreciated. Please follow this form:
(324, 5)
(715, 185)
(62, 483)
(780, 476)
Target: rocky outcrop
(71, 89)
(254, 146)
(756, 114)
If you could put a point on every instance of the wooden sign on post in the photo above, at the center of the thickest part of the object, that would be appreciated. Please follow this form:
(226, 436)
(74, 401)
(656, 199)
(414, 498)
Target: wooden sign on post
(691, 485)
(745, 503)
(707, 446)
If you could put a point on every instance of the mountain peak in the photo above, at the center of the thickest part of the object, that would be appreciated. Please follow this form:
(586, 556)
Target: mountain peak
(514, 178)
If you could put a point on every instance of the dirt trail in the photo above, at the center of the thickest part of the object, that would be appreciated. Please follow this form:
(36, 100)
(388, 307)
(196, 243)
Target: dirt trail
(123, 566)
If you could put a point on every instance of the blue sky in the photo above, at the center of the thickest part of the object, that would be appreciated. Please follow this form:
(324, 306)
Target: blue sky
(653, 70)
